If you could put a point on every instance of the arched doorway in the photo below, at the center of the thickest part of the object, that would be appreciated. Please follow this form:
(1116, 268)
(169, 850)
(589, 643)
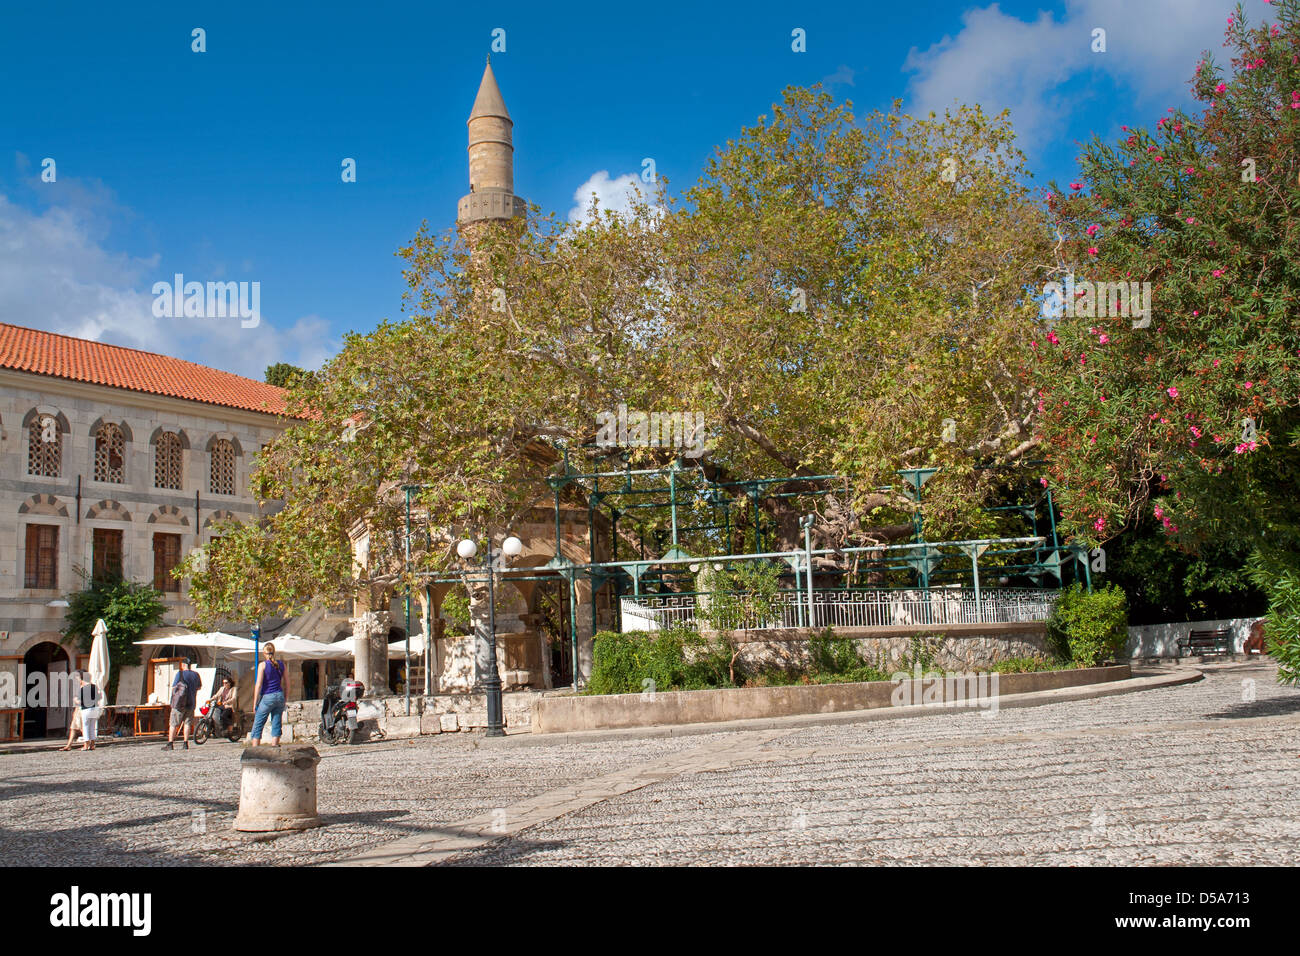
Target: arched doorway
(52, 662)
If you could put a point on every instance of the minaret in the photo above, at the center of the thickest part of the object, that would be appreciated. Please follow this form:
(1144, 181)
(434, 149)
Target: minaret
(491, 158)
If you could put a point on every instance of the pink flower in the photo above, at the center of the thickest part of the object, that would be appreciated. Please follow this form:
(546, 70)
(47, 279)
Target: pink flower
(1092, 230)
(1092, 250)
(1099, 524)
(1249, 385)
(1230, 21)
(1103, 340)
(1051, 337)
(1190, 220)
(1173, 392)
(1196, 432)
(1160, 512)
(1076, 185)
(1196, 311)
(1216, 273)
(1220, 88)
(1160, 159)
(1216, 363)
(1043, 482)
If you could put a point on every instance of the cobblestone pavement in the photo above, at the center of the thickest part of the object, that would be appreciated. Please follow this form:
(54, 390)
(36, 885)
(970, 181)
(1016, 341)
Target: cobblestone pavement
(1199, 773)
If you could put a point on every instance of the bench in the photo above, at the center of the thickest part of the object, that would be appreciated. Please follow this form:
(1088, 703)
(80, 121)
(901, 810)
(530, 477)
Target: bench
(1216, 643)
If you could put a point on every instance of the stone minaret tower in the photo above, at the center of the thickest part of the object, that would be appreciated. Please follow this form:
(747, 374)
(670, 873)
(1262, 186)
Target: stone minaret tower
(491, 159)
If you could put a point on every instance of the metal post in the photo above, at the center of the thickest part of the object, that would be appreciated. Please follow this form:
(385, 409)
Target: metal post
(672, 501)
(406, 649)
(975, 571)
(573, 628)
(257, 652)
(492, 683)
(807, 550)
(428, 641)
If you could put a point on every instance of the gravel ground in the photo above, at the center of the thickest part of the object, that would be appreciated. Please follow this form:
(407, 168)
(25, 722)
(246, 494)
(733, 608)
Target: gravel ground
(1189, 774)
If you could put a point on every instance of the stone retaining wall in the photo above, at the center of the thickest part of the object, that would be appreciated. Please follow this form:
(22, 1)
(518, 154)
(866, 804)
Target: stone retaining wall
(437, 714)
(952, 646)
(616, 711)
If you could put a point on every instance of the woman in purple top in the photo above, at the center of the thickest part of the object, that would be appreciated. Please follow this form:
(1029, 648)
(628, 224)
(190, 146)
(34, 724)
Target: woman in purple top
(268, 696)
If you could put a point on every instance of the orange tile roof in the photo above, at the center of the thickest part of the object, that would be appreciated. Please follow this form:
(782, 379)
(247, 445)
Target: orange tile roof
(81, 360)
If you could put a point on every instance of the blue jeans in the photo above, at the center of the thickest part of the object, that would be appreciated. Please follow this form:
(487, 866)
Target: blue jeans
(271, 705)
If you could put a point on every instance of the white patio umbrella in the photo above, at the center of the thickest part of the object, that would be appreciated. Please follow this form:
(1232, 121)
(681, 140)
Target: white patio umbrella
(99, 663)
(290, 647)
(212, 639)
(397, 649)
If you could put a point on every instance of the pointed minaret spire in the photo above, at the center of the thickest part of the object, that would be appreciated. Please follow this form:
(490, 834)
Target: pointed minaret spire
(491, 157)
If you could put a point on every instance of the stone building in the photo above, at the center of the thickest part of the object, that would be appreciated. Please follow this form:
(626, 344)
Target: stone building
(111, 460)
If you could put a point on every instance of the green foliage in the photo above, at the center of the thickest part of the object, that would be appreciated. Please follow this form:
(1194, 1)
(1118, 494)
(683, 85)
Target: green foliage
(283, 375)
(128, 609)
(520, 336)
(1164, 583)
(837, 660)
(675, 659)
(455, 608)
(743, 595)
(1282, 624)
(1089, 628)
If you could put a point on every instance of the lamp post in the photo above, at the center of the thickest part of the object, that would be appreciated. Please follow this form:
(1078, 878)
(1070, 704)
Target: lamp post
(492, 682)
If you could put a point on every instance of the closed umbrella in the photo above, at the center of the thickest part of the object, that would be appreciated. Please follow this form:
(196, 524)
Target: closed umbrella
(99, 663)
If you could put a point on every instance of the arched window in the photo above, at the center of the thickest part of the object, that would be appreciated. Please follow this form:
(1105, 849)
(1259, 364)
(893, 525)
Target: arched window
(110, 453)
(222, 478)
(44, 447)
(167, 461)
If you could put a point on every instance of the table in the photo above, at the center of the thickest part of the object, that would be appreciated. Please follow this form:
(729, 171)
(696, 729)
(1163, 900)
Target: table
(152, 712)
(14, 717)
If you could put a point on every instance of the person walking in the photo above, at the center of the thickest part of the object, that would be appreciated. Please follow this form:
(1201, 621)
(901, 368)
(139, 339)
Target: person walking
(88, 699)
(185, 694)
(74, 728)
(268, 696)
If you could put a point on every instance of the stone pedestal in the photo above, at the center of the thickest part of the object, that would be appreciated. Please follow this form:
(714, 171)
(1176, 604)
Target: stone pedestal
(277, 789)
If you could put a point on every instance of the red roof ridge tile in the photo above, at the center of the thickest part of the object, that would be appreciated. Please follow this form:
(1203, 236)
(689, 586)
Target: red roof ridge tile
(119, 366)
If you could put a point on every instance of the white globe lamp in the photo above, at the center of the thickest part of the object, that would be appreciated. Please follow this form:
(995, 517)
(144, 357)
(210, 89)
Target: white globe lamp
(467, 549)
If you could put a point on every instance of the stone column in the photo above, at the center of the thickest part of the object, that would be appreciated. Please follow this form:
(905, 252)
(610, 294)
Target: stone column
(481, 621)
(370, 650)
(582, 605)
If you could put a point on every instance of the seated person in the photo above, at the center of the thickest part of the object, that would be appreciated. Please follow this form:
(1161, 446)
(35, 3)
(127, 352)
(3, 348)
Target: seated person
(222, 704)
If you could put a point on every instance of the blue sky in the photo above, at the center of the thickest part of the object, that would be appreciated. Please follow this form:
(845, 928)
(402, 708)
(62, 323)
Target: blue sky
(225, 165)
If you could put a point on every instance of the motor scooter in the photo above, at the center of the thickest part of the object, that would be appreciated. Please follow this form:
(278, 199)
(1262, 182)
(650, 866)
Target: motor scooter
(338, 713)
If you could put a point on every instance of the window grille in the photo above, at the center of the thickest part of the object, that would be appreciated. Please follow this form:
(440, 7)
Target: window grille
(110, 449)
(167, 461)
(44, 447)
(222, 479)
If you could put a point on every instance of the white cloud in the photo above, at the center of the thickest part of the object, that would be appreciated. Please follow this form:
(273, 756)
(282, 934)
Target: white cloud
(57, 275)
(616, 195)
(1002, 62)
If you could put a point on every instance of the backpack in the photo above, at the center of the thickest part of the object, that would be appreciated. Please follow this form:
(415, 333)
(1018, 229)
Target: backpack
(180, 692)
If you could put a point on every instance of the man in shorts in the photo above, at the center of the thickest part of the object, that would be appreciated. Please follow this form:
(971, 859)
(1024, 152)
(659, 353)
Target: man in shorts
(185, 694)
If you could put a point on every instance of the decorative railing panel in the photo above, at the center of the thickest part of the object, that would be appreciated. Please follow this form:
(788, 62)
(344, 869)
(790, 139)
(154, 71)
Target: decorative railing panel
(876, 607)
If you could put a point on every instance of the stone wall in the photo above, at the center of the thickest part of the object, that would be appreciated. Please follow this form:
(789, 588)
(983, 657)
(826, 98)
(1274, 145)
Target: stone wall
(386, 716)
(953, 647)
(1161, 640)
